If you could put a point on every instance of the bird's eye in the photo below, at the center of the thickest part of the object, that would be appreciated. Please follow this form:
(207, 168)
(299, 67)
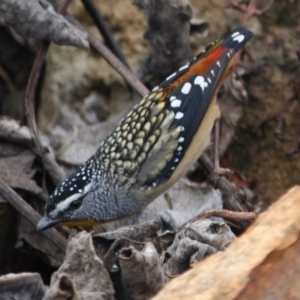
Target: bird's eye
(76, 204)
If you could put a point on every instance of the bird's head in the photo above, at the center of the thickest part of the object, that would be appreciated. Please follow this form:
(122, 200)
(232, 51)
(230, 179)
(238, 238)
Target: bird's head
(86, 198)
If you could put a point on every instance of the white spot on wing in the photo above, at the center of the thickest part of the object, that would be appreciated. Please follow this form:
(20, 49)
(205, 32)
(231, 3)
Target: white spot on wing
(218, 63)
(186, 88)
(181, 139)
(235, 34)
(179, 115)
(184, 67)
(212, 72)
(208, 79)
(172, 75)
(176, 103)
(179, 148)
(154, 89)
(172, 98)
(239, 38)
(201, 82)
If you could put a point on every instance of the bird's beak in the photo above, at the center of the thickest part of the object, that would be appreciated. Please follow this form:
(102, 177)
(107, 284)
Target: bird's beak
(46, 223)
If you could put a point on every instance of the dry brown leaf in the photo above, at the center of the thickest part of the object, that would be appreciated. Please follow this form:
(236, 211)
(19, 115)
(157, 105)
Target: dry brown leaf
(262, 264)
(142, 275)
(83, 271)
(23, 286)
(16, 167)
(39, 20)
(27, 232)
(11, 131)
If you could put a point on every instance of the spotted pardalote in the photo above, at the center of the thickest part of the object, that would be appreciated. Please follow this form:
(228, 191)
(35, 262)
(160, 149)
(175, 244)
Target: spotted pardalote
(152, 147)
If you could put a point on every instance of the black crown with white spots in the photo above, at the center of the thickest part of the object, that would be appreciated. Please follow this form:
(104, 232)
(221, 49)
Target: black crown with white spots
(75, 184)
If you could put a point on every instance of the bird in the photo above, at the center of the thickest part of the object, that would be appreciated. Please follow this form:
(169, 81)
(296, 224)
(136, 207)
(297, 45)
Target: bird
(152, 147)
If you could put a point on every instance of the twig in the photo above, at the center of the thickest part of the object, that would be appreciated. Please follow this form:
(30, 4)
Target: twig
(5, 76)
(104, 30)
(233, 197)
(30, 106)
(30, 95)
(30, 214)
(251, 9)
(130, 78)
(32, 85)
(226, 214)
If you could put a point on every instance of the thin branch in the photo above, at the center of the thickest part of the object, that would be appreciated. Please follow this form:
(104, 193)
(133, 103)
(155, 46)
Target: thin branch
(104, 30)
(225, 214)
(234, 198)
(251, 10)
(130, 78)
(30, 214)
(33, 80)
(5, 76)
(30, 95)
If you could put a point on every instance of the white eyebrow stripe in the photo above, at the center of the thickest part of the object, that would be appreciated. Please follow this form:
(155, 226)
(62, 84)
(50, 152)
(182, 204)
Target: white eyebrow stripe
(63, 205)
